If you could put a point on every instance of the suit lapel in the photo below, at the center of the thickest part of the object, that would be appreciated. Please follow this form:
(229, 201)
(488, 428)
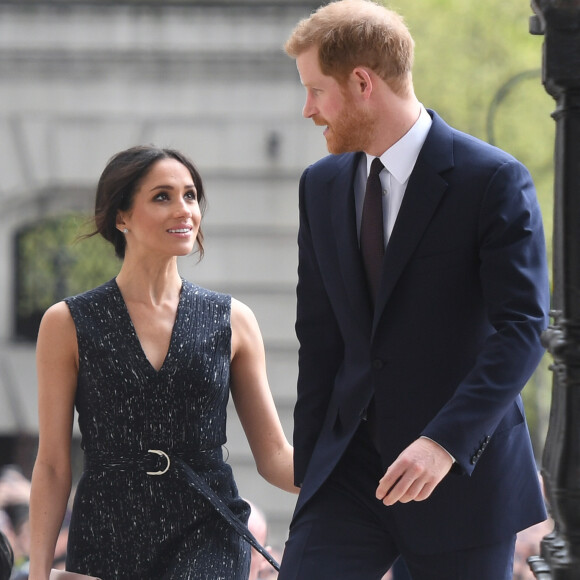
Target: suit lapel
(424, 192)
(345, 234)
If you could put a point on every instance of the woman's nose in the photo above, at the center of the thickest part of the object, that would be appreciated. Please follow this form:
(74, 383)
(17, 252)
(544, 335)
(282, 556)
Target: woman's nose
(183, 209)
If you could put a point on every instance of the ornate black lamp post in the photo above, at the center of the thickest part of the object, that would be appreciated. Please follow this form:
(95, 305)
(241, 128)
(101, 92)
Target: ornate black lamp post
(559, 22)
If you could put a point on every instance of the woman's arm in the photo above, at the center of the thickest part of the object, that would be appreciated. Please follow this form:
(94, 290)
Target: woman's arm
(57, 369)
(254, 403)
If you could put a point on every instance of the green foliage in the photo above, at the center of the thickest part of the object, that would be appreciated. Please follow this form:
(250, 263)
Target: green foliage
(54, 262)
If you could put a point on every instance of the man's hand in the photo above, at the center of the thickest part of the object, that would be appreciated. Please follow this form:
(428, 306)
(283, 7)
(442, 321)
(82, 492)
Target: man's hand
(415, 473)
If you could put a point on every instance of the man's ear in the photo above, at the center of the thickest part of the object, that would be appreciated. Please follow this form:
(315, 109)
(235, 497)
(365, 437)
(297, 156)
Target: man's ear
(362, 81)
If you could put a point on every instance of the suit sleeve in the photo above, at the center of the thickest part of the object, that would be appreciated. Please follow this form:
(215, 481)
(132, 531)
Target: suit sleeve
(514, 283)
(320, 344)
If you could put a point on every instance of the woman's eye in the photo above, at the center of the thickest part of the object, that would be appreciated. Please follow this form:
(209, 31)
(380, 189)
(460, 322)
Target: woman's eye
(161, 196)
(191, 195)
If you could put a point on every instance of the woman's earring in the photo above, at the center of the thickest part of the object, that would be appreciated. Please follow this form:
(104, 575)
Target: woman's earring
(125, 231)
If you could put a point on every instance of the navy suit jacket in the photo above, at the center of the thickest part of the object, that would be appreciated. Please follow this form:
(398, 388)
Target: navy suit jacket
(453, 339)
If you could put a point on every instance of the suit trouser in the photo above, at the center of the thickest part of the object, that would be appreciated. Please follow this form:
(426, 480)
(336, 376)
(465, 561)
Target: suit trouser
(345, 533)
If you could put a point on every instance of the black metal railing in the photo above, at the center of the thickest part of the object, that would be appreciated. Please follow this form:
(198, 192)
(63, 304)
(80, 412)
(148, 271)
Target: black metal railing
(559, 22)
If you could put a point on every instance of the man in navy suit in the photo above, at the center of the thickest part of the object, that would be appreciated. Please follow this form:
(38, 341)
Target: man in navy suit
(410, 436)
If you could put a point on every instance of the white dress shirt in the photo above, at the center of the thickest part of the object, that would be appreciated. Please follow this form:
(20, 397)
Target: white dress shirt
(399, 161)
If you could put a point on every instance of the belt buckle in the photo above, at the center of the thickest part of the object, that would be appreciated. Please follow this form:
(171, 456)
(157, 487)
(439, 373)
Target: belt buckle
(161, 454)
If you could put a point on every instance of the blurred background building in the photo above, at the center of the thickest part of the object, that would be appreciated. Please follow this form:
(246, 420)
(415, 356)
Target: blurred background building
(81, 80)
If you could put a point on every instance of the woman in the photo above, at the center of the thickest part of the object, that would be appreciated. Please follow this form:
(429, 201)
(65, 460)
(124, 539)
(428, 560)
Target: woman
(148, 360)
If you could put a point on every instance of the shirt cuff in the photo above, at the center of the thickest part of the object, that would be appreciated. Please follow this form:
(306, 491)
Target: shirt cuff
(452, 458)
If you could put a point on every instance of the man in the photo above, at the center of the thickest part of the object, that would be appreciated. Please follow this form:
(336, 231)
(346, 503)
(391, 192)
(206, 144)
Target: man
(410, 436)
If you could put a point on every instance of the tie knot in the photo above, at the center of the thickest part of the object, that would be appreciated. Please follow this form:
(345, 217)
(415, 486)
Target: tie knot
(376, 166)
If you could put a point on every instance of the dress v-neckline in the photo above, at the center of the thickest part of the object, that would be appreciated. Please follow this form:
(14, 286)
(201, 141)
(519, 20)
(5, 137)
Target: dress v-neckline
(136, 338)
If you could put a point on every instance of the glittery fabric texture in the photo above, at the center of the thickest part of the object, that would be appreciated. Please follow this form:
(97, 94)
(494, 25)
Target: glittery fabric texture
(126, 524)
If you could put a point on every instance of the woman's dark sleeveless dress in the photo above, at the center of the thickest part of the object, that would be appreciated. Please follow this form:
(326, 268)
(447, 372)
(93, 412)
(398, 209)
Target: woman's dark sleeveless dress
(128, 524)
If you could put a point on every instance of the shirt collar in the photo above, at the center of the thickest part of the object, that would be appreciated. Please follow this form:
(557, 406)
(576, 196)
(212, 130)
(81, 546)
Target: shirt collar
(400, 158)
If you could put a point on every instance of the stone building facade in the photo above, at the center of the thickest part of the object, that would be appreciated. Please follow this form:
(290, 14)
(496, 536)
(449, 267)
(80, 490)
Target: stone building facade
(80, 80)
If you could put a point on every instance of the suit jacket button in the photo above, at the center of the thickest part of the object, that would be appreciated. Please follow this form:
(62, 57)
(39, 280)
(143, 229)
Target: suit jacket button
(378, 364)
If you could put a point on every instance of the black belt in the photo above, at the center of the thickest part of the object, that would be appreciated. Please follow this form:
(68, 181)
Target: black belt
(194, 479)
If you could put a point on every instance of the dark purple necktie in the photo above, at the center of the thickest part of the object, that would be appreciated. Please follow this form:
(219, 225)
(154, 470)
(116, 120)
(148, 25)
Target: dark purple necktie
(372, 234)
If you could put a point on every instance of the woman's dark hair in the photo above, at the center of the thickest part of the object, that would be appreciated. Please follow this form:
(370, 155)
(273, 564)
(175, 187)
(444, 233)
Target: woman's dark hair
(120, 181)
(6, 558)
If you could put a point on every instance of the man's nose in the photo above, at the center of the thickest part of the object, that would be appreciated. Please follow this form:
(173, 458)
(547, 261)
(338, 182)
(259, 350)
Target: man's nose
(308, 110)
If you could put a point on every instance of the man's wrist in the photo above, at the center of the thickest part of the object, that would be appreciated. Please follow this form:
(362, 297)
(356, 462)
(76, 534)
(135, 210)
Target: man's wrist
(429, 438)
